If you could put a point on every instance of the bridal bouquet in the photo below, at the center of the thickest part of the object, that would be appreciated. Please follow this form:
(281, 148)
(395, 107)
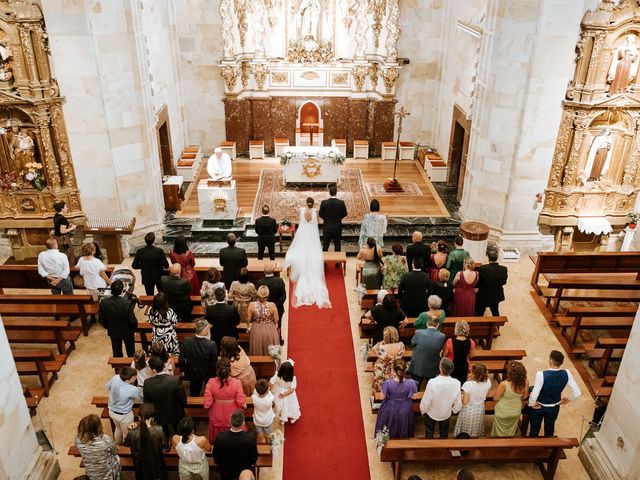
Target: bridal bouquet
(382, 437)
(277, 441)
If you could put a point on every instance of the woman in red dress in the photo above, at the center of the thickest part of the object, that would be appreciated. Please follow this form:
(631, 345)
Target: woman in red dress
(464, 294)
(182, 255)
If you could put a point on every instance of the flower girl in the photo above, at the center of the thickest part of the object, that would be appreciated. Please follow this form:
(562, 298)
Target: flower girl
(284, 390)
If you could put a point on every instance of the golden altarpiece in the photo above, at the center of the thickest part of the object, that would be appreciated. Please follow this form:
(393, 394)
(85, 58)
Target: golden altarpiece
(594, 179)
(35, 161)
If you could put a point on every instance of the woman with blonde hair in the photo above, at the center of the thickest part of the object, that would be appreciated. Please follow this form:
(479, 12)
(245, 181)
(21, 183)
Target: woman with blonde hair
(474, 394)
(464, 293)
(98, 451)
(459, 350)
(509, 396)
(240, 364)
(386, 351)
(263, 329)
(92, 270)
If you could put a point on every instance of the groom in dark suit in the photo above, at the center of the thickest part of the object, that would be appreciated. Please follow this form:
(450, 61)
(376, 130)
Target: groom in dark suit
(266, 228)
(332, 211)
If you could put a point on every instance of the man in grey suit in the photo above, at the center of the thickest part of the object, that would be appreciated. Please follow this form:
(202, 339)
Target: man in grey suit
(427, 345)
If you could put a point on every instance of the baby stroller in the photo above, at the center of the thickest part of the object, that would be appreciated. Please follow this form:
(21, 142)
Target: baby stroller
(126, 276)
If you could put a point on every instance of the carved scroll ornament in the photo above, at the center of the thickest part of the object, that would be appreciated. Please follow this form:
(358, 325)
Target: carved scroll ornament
(359, 74)
(230, 75)
(260, 72)
(390, 76)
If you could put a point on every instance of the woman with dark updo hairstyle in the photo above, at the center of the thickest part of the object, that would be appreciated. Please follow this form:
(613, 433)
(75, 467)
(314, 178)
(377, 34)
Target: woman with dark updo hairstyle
(192, 451)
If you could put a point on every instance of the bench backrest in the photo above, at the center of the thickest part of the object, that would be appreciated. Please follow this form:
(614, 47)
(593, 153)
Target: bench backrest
(27, 276)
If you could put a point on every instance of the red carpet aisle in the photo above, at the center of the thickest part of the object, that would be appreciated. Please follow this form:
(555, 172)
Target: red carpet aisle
(328, 441)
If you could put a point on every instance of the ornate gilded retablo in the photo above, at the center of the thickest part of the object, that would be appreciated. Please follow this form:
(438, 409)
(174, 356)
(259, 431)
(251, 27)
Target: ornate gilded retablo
(311, 168)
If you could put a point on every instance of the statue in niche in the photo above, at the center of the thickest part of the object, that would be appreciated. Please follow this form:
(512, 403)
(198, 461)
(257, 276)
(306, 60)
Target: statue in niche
(6, 74)
(23, 149)
(624, 66)
(599, 156)
(308, 18)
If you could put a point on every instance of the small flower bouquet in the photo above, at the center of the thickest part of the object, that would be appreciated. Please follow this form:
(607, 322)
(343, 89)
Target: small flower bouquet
(33, 174)
(286, 224)
(632, 219)
(364, 350)
(382, 437)
(361, 289)
(277, 442)
(275, 351)
(8, 182)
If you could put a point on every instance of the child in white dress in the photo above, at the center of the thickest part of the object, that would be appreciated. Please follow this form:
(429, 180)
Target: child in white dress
(284, 390)
(263, 410)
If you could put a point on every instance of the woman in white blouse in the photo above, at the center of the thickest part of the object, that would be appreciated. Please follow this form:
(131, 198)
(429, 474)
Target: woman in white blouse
(474, 394)
(92, 270)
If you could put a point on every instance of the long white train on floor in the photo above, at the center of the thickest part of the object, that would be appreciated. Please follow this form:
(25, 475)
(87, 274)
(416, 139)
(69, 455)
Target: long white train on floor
(310, 165)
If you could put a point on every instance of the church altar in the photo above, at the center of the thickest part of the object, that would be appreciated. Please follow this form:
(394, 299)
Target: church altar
(311, 165)
(217, 202)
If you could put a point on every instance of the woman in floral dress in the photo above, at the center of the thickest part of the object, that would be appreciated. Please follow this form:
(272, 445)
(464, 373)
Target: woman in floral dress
(394, 267)
(386, 351)
(264, 324)
(162, 319)
(242, 292)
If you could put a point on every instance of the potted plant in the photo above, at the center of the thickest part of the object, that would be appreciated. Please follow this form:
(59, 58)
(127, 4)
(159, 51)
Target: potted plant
(632, 219)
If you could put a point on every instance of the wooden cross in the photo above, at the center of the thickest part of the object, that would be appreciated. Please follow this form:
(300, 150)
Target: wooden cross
(393, 185)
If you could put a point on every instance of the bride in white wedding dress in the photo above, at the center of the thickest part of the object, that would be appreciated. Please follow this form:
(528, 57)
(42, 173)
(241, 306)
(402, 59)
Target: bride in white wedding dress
(306, 260)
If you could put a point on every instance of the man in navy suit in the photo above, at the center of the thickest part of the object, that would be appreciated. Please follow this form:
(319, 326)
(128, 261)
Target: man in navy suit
(332, 211)
(491, 282)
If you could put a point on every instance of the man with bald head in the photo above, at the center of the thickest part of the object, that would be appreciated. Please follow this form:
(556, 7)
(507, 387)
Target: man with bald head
(178, 291)
(417, 249)
(277, 289)
(53, 266)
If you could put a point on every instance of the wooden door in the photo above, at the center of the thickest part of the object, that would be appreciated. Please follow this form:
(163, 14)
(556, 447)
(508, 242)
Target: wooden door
(458, 148)
(164, 143)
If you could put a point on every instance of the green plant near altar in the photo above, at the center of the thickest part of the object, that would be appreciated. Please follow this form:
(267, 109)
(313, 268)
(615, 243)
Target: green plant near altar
(32, 173)
(332, 156)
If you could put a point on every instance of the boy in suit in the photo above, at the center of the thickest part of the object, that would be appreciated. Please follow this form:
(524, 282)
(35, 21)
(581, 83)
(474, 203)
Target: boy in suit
(266, 228)
(492, 279)
(332, 211)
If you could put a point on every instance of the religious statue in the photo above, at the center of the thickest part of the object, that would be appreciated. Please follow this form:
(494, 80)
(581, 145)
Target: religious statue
(24, 149)
(6, 74)
(307, 18)
(219, 165)
(599, 155)
(624, 66)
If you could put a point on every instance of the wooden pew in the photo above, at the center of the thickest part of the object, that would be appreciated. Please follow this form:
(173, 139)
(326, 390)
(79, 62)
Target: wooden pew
(596, 264)
(481, 329)
(32, 397)
(480, 355)
(264, 366)
(611, 288)
(79, 305)
(331, 258)
(184, 330)
(594, 318)
(265, 460)
(41, 364)
(197, 312)
(602, 353)
(255, 267)
(55, 332)
(27, 276)
(544, 452)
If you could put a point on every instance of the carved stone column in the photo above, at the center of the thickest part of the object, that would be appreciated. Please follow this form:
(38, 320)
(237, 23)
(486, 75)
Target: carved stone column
(60, 134)
(29, 55)
(226, 30)
(631, 167)
(49, 160)
(393, 31)
(259, 14)
(580, 124)
(560, 153)
(361, 31)
(592, 74)
(241, 15)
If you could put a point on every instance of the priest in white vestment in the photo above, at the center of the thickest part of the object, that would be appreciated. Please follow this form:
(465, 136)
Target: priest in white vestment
(219, 165)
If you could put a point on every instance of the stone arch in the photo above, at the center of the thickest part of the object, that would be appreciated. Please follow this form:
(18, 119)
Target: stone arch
(309, 111)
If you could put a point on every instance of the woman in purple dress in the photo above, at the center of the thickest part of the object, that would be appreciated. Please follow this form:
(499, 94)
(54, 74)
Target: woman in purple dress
(396, 411)
(464, 295)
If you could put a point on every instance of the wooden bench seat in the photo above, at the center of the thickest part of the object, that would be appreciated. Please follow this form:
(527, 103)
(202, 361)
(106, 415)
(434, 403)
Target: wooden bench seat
(498, 368)
(331, 258)
(265, 460)
(51, 306)
(544, 452)
(58, 332)
(45, 365)
(480, 355)
(184, 330)
(594, 318)
(555, 296)
(32, 397)
(602, 353)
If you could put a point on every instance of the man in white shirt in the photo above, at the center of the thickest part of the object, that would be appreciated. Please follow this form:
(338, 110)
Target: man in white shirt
(219, 165)
(53, 265)
(545, 398)
(441, 399)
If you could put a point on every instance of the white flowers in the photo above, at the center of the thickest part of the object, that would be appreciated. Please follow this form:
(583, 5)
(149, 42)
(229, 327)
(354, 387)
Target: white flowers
(365, 348)
(382, 437)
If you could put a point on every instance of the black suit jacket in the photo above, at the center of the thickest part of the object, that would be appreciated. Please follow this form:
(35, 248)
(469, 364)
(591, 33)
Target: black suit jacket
(234, 452)
(232, 259)
(117, 315)
(277, 289)
(266, 227)
(414, 290)
(178, 292)
(419, 250)
(198, 357)
(332, 211)
(224, 320)
(493, 278)
(152, 262)
(168, 396)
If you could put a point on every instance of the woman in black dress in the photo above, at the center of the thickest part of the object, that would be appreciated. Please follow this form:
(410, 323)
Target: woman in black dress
(61, 226)
(386, 315)
(459, 350)
(147, 442)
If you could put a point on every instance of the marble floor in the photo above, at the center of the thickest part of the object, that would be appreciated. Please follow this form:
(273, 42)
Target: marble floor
(87, 371)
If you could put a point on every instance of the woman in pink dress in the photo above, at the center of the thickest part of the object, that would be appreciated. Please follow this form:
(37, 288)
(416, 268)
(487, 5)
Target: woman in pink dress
(438, 260)
(222, 396)
(464, 294)
(182, 255)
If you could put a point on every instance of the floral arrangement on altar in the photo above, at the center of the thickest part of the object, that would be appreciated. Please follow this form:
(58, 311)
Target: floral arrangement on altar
(8, 182)
(333, 156)
(382, 437)
(33, 174)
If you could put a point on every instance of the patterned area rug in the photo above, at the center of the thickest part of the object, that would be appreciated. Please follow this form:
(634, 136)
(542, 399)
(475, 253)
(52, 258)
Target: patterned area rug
(285, 201)
(377, 190)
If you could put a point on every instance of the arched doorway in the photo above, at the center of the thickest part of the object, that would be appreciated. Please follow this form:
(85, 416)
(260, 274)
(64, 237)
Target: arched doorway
(309, 125)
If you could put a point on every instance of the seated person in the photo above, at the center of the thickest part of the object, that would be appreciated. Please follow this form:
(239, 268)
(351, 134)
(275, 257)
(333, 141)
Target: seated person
(219, 165)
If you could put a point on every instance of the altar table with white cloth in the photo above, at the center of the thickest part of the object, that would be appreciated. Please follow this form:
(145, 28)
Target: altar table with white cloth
(311, 165)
